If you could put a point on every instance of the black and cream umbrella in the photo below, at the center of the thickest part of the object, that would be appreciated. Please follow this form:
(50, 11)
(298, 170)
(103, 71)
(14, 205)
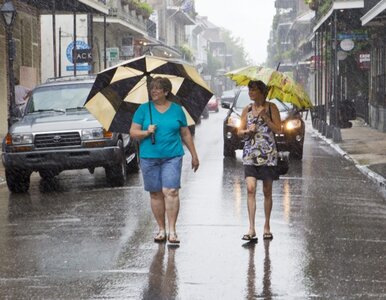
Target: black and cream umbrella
(118, 91)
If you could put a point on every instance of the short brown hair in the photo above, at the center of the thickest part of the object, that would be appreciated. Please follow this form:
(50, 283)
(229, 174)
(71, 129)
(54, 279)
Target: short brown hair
(163, 83)
(259, 85)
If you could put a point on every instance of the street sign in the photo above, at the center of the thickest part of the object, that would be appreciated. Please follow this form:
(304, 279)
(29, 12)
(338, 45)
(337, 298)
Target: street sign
(82, 56)
(352, 36)
(80, 45)
(112, 53)
(347, 45)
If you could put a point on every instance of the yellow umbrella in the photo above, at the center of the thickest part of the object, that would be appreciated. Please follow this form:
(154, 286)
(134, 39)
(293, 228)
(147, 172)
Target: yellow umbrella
(281, 86)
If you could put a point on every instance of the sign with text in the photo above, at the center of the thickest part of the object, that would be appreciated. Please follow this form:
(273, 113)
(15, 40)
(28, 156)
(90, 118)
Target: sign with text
(112, 53)
(82, 56)
(81, 50)
(364, 60)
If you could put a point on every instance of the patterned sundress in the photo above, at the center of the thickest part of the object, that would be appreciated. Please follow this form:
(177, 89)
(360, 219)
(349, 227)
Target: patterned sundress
(259, 147)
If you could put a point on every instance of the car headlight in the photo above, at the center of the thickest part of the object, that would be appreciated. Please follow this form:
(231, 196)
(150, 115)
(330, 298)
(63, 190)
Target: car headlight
(234, 121)
(92, 134)
(19, 139)
(293, 124)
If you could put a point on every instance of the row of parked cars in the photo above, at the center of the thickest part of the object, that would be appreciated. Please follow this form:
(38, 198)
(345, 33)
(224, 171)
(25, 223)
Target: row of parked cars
(56, 133)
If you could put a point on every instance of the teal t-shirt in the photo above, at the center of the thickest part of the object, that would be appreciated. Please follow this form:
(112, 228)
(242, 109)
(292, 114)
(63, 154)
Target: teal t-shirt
(168, 141)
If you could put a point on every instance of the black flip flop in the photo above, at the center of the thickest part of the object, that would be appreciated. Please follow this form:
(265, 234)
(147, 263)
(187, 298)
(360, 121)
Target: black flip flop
(267, 236)
(249, 237)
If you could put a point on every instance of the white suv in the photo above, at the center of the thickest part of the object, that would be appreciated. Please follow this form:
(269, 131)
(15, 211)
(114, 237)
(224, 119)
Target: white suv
(57, 133)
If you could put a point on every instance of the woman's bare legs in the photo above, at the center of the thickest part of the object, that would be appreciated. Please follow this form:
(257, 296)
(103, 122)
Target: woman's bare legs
(267, 190)
(251, 202)
(172, 205)
(158, 207)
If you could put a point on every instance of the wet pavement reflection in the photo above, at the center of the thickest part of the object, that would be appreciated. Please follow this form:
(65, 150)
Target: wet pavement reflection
(77, 238)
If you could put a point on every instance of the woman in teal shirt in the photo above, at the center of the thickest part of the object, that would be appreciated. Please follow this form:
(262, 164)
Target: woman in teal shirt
(161, 162)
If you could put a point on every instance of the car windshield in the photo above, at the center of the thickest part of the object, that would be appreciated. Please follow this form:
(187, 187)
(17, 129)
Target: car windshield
(243, 100)
(59, 97)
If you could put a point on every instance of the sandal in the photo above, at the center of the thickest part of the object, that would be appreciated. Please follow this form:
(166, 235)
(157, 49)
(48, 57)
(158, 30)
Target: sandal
(267, 236)
(160, 237)
(249, 237)
(173, 239)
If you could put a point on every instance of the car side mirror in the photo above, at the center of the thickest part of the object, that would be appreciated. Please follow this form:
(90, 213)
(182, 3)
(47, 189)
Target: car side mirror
(225, 105)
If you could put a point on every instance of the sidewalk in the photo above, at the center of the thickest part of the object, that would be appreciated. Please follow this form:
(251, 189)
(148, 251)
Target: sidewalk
(365, 147)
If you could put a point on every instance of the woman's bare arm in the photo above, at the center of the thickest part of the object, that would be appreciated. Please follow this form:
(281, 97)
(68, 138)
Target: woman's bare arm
(188, 141)
(136, 132)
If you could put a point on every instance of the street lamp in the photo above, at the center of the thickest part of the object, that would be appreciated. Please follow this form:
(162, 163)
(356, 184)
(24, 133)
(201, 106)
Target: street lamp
(8, 13)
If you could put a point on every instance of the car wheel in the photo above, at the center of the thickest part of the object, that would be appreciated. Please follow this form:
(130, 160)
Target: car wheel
(116, 174)
(18, 181)
(229, 151)
(132, 158)
(47, 175)
(296, 152)
(133, 164)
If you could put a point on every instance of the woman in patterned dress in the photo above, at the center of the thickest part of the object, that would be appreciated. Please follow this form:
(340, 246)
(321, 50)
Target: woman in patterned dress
(260, 120)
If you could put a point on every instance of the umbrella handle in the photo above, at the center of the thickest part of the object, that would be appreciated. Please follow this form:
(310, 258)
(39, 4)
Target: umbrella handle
(152, 138)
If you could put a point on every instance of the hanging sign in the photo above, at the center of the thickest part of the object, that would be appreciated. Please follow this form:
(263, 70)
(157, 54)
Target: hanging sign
(347, 45)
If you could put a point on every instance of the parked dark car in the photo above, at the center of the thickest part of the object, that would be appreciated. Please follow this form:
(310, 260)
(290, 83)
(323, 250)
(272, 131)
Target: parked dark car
(290, 139)
(58, 133)
(227, 98)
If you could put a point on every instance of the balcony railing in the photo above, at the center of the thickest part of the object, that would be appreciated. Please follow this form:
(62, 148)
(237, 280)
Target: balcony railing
(285, 4)
(132, 18)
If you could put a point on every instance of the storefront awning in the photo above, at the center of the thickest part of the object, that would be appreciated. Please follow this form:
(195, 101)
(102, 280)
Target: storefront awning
(337, 5)
(376, 11)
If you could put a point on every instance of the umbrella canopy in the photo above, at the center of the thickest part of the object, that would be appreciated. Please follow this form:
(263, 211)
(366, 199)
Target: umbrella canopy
(118, 91)
(280, 85)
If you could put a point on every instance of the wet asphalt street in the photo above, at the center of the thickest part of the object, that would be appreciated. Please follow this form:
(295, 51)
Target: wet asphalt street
(77, 238)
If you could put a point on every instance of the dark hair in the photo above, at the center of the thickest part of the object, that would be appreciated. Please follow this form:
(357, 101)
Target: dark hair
(259, 85)
(163, 83)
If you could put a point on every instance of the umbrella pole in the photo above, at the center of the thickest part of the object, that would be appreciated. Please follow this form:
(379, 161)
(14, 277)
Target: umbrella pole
(150, 113)
(151, 123)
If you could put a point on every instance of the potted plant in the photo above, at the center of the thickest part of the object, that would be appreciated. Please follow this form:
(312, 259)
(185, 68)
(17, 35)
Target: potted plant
(131, 3)
(312, 4)
(146, 9)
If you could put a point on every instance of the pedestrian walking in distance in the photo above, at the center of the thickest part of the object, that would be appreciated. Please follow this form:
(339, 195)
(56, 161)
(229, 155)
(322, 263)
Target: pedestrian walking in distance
(260, 120)
(161, 161)
(21, 96)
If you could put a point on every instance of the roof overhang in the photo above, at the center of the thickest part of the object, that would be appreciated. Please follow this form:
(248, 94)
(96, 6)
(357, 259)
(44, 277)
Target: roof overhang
(337, 5)
(369, 17)
(178, 13)
(98, 5)
(305, 18)
(60, 6)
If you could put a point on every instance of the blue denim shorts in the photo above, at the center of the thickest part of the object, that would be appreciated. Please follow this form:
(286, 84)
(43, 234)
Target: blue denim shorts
(161, 173)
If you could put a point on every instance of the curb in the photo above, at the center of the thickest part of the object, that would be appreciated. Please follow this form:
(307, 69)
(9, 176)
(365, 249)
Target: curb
(378, 179)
